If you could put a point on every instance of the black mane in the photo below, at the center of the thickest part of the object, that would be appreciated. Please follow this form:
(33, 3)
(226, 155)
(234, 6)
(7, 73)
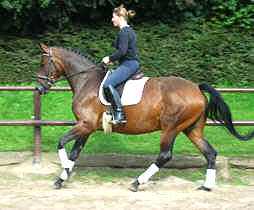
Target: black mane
(82, 55)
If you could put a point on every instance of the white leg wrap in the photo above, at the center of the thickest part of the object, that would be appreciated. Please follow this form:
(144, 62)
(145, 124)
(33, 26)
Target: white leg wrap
(64, 175)
(66, 163)
(143, 178)
(210, 178)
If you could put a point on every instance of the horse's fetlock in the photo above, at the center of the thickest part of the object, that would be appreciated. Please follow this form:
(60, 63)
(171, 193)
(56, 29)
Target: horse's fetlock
(163, 158)
(60, 146)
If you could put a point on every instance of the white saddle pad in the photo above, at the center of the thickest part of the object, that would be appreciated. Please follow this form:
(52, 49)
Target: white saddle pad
(132, 91)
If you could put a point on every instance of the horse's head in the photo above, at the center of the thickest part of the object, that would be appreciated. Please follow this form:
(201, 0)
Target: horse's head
(50, 70)
(57, 61)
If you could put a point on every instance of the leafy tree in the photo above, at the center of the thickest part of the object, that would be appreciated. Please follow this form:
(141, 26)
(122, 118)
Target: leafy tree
(233, 12)
(31, 16)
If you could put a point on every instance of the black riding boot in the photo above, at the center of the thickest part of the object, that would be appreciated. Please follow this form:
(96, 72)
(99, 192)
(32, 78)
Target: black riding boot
(114, 98)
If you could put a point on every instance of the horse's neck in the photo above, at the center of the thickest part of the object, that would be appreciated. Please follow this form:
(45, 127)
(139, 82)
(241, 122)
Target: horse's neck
(75, 67)
(92, 78)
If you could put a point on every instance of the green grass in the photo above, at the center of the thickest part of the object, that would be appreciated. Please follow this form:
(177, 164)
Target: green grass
(57, 106)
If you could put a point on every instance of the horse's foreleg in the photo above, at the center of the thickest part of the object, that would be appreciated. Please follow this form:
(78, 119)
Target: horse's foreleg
(68, 163)
(65, 162)
(164, 156)
(77, 148)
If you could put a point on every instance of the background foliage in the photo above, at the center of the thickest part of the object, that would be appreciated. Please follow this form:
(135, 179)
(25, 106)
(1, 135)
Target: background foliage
(208, 40)
(233, 12)
(200, 53)
(31, 16)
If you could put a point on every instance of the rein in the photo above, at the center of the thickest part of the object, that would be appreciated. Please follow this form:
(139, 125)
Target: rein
(75, 74)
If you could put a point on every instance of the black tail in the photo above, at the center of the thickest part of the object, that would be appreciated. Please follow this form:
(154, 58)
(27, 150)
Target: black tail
(218, 110)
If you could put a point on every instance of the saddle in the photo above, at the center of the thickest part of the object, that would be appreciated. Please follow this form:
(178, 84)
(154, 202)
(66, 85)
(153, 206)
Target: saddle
(130, 91)
(138, 75)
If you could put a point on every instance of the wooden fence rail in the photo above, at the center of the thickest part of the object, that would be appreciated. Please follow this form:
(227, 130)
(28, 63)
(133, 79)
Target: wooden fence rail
(37, 122)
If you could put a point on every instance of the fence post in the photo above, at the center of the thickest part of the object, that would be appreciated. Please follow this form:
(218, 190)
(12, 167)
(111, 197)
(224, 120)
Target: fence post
(37, 128)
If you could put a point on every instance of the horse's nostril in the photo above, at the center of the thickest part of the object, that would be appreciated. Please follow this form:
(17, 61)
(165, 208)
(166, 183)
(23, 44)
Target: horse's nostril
(39, 89)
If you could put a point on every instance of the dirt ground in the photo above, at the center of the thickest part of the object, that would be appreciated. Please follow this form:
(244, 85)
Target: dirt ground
(21, 190)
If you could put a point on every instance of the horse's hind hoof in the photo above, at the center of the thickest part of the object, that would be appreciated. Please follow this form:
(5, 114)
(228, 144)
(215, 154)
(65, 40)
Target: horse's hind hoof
(205, 189)
(58, 184)
(134, 186)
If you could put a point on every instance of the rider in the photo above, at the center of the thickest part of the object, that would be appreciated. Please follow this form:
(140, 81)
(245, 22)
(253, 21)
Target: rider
(127, 55)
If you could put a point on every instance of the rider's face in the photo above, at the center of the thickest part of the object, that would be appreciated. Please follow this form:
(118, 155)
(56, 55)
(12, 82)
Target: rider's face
(116, 20)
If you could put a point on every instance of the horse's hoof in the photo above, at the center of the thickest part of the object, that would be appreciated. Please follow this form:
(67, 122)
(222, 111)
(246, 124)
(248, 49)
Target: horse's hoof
(134, 186)
(58, 184)
(205, 189)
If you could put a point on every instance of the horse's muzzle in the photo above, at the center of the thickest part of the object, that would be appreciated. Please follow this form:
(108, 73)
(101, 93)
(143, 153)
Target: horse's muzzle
(44, 85)
(42, 90)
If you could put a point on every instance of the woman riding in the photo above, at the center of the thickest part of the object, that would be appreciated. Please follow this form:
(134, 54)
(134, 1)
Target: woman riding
(127, 55)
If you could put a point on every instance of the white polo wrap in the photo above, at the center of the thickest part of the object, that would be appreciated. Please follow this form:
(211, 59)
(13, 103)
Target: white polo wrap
(64, 175)
(210, 178)
(66, 163)
(143, 178)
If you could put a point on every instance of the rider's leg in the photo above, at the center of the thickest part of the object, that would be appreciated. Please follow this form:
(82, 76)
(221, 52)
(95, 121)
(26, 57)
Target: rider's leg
(114, 99)
(120, 75)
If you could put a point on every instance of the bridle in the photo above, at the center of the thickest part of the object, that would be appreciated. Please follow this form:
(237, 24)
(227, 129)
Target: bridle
(51, 80)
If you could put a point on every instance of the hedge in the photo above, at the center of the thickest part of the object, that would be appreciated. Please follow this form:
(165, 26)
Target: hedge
(200, 53)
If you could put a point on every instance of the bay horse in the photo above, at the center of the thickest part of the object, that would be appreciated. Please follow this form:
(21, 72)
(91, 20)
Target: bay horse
(169, 104)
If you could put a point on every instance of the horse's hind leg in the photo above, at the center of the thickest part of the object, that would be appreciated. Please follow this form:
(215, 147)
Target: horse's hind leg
(195, 134)
(166, 148)
(210, 155)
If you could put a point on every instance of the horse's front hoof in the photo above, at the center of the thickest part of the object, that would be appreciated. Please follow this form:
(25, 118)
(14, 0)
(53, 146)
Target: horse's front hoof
(58, 184)
(205, 189)
(134, 186)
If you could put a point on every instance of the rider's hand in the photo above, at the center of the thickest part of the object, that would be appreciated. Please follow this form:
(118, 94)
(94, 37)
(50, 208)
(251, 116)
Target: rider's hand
(106, 60)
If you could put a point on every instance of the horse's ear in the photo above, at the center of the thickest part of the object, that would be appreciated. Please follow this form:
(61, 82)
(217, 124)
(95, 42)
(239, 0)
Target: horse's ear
(45, 48)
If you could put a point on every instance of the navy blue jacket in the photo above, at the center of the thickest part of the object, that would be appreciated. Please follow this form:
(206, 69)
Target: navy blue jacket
(126, 46)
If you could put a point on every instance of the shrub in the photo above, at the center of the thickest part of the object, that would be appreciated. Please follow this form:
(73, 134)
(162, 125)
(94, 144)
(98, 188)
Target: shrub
(195, 52)
(233, 12)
